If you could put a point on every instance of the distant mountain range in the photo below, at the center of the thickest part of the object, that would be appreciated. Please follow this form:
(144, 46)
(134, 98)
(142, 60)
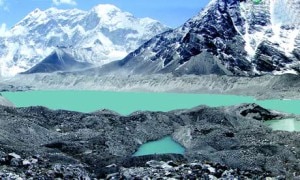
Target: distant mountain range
(101, 35)
(229, 37)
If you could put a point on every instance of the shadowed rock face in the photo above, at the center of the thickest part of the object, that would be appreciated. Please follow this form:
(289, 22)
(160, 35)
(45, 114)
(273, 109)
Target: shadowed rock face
(230, 136)
(232, 37)
(58, 61)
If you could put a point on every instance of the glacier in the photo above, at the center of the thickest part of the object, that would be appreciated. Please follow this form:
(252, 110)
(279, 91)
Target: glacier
(98, 36)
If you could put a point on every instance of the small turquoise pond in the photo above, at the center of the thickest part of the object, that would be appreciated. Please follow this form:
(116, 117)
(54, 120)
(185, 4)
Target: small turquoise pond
(284, 124)
(162, 146)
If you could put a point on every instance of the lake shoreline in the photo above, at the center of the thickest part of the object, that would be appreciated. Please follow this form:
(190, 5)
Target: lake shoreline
(261, 87)
(98, 144)
(126, 103)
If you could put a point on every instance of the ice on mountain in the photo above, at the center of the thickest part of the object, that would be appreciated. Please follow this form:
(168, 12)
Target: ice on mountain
(40, 32)
(285, 12)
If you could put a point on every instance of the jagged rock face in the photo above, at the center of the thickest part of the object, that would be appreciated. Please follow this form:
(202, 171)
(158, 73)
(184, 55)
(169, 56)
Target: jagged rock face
(229, 135)
(101, 35)
(233, 37)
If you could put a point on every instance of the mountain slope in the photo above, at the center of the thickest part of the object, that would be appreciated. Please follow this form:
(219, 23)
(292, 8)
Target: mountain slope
(5, 102)
(101, 35)
(233, 37)
(57, 61)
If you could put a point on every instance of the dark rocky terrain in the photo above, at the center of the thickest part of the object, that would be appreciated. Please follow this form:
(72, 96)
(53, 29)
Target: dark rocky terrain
(38, 142)
(13, 88)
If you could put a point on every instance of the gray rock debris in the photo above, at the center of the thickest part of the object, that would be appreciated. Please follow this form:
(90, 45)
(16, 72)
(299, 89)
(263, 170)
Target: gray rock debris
(89, 143)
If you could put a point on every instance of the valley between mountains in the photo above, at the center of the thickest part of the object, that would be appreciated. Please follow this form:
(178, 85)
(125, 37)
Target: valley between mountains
(231, 47)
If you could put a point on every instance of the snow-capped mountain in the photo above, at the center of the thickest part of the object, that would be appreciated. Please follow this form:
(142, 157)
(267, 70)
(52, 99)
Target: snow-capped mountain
(101, 35)
(233, 37)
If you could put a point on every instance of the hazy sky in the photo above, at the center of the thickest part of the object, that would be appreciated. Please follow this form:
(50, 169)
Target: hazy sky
(170, 12)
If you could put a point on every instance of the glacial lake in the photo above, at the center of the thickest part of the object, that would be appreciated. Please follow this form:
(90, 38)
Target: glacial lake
(163, 146)
(128, 102)
(284, 124)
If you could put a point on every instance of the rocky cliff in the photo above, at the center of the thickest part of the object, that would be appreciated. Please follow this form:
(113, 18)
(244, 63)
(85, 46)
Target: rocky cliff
(232, 37)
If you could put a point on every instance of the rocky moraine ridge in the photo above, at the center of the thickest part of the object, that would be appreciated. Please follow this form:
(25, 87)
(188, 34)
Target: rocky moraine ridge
(5, 102)
(227, 142)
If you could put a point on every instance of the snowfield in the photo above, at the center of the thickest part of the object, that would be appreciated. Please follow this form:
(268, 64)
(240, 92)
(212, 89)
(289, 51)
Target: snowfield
(99, 36)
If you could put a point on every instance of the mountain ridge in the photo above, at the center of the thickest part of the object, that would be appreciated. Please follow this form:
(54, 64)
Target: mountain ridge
(58, 60)
(90, 36)
(227, 38)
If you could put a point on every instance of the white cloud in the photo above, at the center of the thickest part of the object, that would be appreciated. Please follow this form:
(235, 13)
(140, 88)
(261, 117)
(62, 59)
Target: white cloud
(60, 2)
(3, 5)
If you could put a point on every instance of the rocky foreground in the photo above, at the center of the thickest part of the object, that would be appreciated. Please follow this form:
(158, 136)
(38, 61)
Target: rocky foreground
(221, 142)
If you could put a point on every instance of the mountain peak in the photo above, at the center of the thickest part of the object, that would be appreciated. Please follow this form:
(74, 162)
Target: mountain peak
(232, 37)
(35, 13)
(58, 60)
(98, 36)
(37, 10)
(105, 9)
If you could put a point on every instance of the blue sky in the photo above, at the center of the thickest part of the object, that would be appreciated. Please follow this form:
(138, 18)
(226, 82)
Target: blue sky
(170, 12)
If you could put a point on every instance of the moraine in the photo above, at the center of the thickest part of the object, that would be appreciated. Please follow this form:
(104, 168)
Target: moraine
(126, 103)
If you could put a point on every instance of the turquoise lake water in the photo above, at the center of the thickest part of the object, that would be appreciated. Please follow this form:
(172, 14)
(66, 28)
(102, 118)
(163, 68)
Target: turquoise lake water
(128, 102)
(284, 124)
